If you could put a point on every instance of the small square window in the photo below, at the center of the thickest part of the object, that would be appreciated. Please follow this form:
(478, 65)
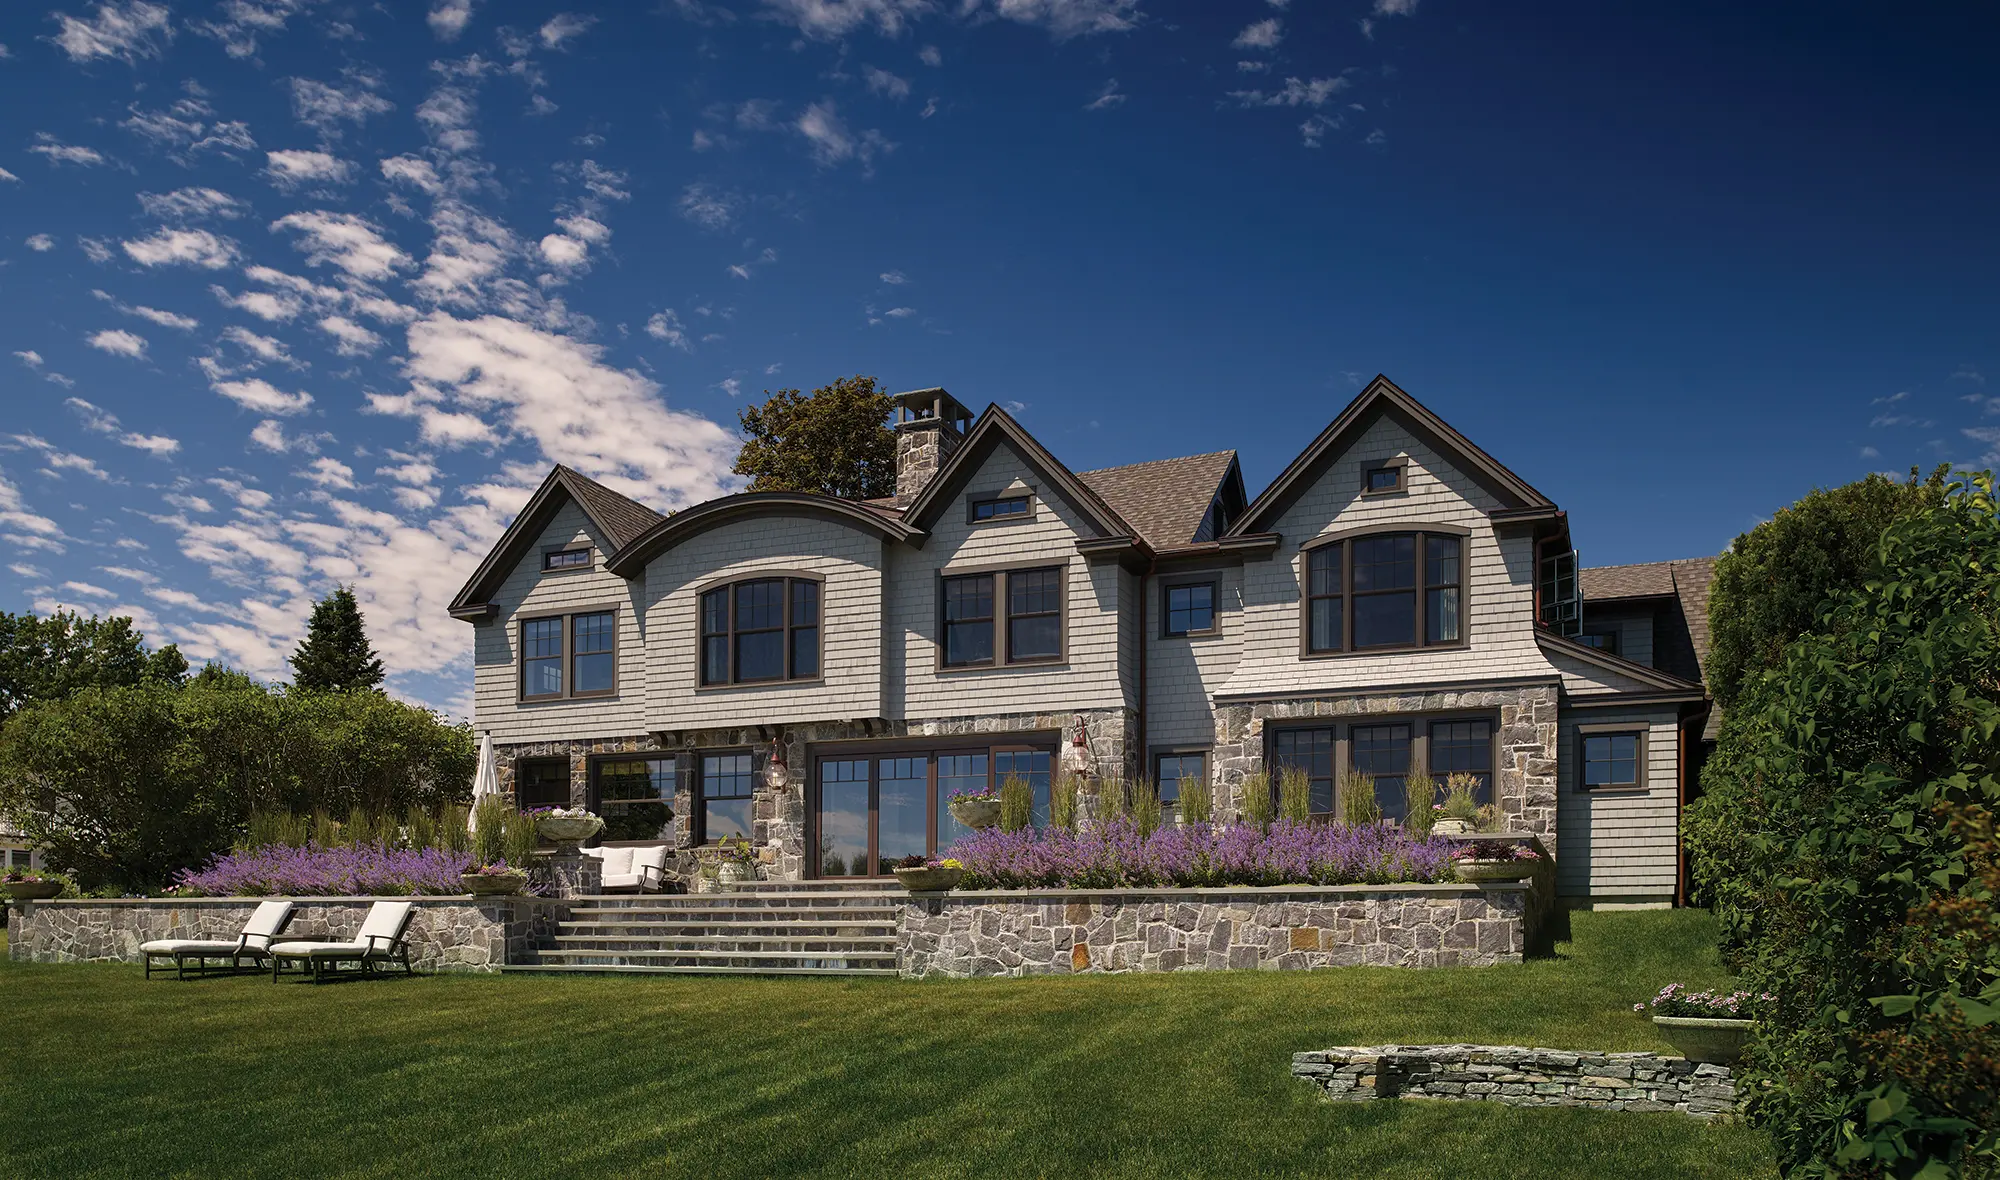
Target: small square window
(566, 559)
(1606, 640)
(1383, 479)
(1000, 509)
(1190, 609)
(1612, 760)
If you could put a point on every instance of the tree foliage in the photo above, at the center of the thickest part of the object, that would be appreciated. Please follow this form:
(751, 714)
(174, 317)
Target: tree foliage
(1846, 840)
(835, 440)
(1775, 580)
(335, 656)
(125, 786)
(46, 659)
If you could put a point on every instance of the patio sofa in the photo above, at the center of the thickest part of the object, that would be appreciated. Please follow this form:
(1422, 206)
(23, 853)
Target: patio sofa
(640, 868)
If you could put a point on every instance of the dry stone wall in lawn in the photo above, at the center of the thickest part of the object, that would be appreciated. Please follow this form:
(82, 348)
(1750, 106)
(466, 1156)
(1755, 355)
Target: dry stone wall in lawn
(1521, 1077)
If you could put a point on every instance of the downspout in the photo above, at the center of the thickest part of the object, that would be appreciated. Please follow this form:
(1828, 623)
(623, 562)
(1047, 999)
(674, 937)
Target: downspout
(1145, 635)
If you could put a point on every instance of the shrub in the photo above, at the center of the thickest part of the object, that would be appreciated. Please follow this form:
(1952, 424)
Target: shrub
(1460, 799)
(1017, 804)
(1196, 805)
(1419, 800)
(1062, 802)
(518, 838)
(1294, 795)
(489, 835)
(1111, 799)
(1842, 842)
(1258, 807)
(1355, 797)
(454, 830)
(1145, 811)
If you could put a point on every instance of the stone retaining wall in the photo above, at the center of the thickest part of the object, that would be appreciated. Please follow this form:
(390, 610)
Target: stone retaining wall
(446, 933)
(1521, 1077)
(1027, 932)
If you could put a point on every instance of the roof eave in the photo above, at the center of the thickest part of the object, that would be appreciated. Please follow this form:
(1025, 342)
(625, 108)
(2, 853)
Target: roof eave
(630, 561)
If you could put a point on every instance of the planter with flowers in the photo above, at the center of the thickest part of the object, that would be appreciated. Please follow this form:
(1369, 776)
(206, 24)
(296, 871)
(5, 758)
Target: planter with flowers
(976, 809)
(920, 875)
(1705, 1025)
(1459, 812)
(27, 885)
(566, 825)
(494, 880)
(728, 862)
(1478, 865)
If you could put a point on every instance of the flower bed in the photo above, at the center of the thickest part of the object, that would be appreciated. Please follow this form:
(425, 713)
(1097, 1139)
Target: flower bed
(1675, 1000)
(312, 871)
(1115, 855)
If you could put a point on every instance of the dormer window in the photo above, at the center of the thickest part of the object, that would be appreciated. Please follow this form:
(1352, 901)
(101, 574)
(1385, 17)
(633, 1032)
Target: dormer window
(556, 560)
(1002, 508)
(1382, 480)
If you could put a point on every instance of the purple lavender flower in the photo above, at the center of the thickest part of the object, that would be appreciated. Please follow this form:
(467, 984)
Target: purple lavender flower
(312, 871)
(1114, 855)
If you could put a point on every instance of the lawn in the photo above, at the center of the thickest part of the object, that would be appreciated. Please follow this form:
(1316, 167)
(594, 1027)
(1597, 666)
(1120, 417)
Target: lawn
(105, 1074)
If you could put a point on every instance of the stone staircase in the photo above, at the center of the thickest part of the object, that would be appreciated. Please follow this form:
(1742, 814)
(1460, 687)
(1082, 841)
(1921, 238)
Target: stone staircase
(773, 928)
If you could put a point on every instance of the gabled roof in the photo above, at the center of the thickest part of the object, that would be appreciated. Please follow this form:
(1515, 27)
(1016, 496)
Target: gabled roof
(1653, 677)
(1602, 583)
(994, 427)
(1379, 398)
(672, 530)
(1165, 499)
(619, 518)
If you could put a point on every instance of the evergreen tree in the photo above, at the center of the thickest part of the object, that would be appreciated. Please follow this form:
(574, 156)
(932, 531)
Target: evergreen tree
(335, 656)
(835, 440)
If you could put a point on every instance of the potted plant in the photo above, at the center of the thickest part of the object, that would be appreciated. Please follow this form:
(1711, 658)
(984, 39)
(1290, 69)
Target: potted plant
(1458, 814)
(975, 808)
(734, 862)
(493, 880)
(26, 885)
(919, 875)
(1502, 862)
(566, 825)
(1705, 1025)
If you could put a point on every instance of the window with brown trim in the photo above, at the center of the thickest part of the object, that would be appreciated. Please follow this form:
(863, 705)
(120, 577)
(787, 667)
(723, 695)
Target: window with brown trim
(568, 656)
(541, 782)
(593, 661)
(541, 658)
(1610, 758)
(1377, 481)
(1383, 592)
(1034, 615)
(563, 560)
(724, 787)
(1188, 609)
(760, 630)
(968, 621)
(1179, 772)
(1004, 617)
(1019, 507)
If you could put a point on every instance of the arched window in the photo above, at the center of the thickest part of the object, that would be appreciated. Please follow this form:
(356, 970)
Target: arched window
(759, 630)
(1382, 592)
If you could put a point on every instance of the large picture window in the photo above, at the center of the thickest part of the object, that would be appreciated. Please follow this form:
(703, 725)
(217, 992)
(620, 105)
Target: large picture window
(725, 808)
(873, 803)
(569, 656)
(1383, 592)
(1386, 751)
(760, 630)
(1008, 617)
(634, 795)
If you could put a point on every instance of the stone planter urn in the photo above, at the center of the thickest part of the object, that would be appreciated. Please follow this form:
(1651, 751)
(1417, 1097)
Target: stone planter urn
(33, 890)
(731, 873)
(493, 884)
(1475, 872)
(1451, 827)
(976, 811)
(929, 880)
(1706, 1038)
(568, 829)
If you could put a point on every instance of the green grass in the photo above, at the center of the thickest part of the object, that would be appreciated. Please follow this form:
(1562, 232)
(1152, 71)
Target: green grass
(105, 1074)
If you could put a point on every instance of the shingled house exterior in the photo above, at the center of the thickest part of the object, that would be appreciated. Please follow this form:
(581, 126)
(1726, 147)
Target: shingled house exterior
(820, 674)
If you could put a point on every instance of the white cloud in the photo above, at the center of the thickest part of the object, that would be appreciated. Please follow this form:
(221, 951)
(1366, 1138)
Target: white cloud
(166, 319)
(120, 342)
(58, 152)
(55, 460)
(98, 250)
(276, 307)
(348, 242)
(196, 247)
(25, 570)
(325, 107)
(329, 473)
(832, 143)
(9, 177)
(561, 251)
(39, 243)
(260, 395)
(1395, 7)
(930, 56)
(349, 338)
(262, 349)
(448, 18)
(1107, 97)
(895, 278)
(291, 170)
(87, 589)
(1063, 19)
(125, 31)
(1253, 67)
(1264, 34)
(414, 171)
(102, 421)
(603, 182)
(1297, 92)
(899, 313)
(130, 574)
(665, 325)
(564, 26)
(709, 208)
(192, 204)
(270, 435)
(883, 82)
(245, 496)
(14, 514)
(188, 503)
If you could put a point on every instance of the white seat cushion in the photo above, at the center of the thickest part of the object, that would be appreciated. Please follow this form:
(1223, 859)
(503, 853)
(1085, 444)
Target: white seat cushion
(300, 950)
(186, 946)
(649, 858)
(617, 861)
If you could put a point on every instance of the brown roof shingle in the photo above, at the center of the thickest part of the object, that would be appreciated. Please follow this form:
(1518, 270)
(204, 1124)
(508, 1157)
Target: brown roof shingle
(1164, 499)
(1687, 581)
(621, 516)
(1653, 579)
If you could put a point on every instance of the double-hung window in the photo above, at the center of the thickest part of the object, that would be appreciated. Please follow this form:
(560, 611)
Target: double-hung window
(1010, 617)
(1176, 775)
(569, 656)
(725, 809)
(1384, 592)
(760, 630)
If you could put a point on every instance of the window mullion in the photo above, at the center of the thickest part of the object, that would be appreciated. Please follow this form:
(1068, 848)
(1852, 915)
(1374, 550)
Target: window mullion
(730, 660)
(1001, 612)
(785, 625)
(1420, 615)
(1347, 611)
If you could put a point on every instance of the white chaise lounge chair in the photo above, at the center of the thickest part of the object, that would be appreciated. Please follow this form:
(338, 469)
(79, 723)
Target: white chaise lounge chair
(254, 943)
(380, 940)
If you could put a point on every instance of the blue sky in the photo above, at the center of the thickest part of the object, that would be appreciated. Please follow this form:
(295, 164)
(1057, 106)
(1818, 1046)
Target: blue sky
(294, 293)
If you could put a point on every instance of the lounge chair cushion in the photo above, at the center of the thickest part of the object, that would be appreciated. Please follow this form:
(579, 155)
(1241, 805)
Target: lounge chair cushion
(386, 919)
(303, 950)
(269, 918)
(191, 946)
(617, 861)
(649, 858)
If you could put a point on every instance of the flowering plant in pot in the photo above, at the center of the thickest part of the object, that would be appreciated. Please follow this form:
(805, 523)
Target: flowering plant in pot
(1706, 1025)
(496, 879)
(733, 858)
(1495, 862)
(566, 825)
(1458, 812)
(28, 885)
(975, 807)
(921, 875)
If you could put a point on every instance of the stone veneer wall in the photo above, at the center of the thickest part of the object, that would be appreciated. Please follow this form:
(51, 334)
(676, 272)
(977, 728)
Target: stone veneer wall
(1292, 927)
(778, 817)
(1525, 769)
(1521, 1077)
(446, 933)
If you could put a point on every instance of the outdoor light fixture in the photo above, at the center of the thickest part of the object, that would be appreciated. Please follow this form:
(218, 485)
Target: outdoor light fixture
(776, 773)
(1077, 760)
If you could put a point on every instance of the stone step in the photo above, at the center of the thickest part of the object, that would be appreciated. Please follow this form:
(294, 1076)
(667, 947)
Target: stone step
(783, 943)
(713, 958)
(729, 929)
(626, 969)
(707, 917)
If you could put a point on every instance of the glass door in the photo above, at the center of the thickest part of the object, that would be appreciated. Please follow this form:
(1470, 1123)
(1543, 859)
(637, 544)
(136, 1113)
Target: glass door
(872, 812)
(843, 817)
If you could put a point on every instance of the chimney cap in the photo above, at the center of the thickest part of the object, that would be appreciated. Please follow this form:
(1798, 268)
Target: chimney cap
(919, 405)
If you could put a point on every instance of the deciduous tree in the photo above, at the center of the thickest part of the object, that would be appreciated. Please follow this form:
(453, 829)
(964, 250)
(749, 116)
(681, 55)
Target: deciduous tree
(835, 440)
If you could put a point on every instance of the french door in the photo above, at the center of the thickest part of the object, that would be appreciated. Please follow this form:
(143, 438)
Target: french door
(873, 808)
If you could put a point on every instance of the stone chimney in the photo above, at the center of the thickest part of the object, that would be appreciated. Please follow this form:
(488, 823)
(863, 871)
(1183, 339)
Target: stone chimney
(929, 426)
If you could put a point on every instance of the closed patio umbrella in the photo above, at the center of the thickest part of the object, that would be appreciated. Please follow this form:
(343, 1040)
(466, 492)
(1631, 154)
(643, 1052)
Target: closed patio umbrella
(485, 781)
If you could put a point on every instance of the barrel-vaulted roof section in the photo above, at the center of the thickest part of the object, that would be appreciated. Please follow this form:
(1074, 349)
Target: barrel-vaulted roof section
(692, 522)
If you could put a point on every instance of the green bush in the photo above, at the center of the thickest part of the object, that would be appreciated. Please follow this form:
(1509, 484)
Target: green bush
(1017, 803)
(489, 835)
(1840, 840)
(1145, 808)
(1259, 808)
(1355, 799)
(1196, 805)
(518, 839)
(1294, 795)
(1419, 800)
(1062, 802)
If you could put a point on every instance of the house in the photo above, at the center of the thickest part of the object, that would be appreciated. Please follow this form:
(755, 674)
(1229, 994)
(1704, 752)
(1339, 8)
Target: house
(820, 675)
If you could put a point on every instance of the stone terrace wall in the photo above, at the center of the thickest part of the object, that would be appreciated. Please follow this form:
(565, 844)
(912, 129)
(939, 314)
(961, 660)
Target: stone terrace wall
(1521, 1077)
(1294, 927)
(446, 933)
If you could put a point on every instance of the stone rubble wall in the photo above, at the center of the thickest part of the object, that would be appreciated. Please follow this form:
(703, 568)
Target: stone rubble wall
(1061, 932)
(446, 933)
(1521, 1077)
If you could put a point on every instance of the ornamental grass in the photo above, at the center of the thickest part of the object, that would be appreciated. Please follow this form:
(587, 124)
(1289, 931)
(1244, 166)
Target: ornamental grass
(1116, 855)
